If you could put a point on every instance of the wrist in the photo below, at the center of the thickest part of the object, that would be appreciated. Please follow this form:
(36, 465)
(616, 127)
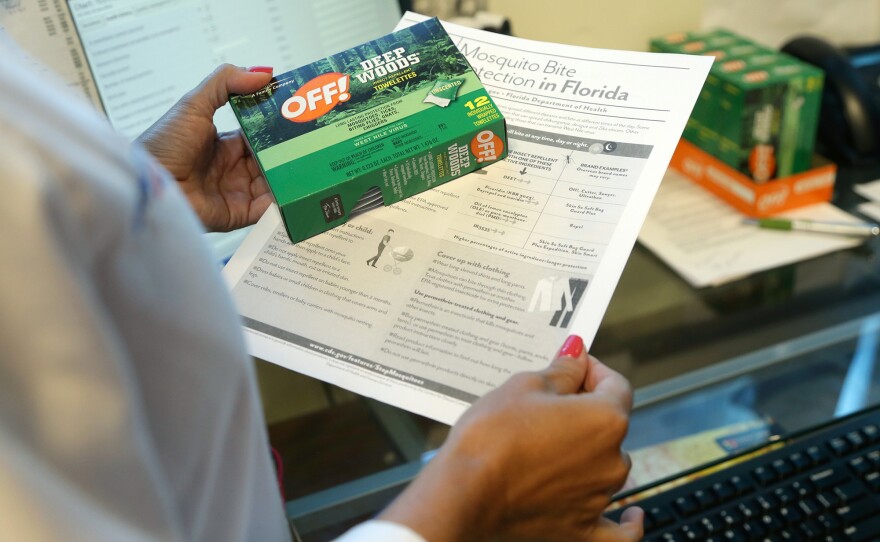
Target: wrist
(451, 500)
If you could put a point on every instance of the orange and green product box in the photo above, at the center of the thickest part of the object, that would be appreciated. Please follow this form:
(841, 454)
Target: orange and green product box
(718, 43)
(706, 119)
(768, 117)
(695, 43)
(399, 115)
(710, 116)
(759, 108)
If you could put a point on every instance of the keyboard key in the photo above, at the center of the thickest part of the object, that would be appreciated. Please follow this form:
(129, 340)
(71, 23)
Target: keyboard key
(854, 512)
(750, 509)
(754, 529)
(740, 484)
(810, 506)
(816, 455)
(800, 461)
(856, 440)
(874, 458)
(730, 517)
(860, 466)
(839, 445)
(828, 499)
(811, 529)
(771, 522)
(828, 522)
(864, 531)
(724, 491)
(766, 502)
(802, 488)
(712, 524)
(871, 432)
(734, 535)
(661, 516)
(692, 532)
(783, 468)
(784, 495)
(849, 491)
(827, 478)
(873, 480)
(704, 498)
(686, 506)
(790, 514)
(764, 475)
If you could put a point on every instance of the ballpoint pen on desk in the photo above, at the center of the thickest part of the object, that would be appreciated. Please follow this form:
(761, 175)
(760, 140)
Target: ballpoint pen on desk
(860, 229)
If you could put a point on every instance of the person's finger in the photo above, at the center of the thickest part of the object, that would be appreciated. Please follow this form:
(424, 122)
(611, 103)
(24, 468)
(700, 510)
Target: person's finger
(214, 90)
(604, 381)
(630, 529)
(567, 372)
(627, 465)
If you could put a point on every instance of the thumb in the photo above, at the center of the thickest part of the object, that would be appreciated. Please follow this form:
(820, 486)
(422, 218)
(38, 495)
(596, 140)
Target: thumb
(567, 373)
(213, 92)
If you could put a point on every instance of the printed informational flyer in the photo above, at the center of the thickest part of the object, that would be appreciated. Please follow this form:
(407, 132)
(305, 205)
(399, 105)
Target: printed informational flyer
(432, 302)
(43, 34)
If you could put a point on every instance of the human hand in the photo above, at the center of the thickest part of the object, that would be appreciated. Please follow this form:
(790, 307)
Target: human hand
(216, 172)
(539, 458)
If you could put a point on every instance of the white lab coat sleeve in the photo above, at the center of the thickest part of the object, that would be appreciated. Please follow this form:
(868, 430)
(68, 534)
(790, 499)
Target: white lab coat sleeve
(385, 531)
(128, 404)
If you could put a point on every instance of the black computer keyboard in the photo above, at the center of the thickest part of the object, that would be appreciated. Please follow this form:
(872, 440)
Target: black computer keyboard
(822, 486)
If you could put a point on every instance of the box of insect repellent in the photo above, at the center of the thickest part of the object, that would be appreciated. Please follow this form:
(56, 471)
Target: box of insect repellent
(394, 116)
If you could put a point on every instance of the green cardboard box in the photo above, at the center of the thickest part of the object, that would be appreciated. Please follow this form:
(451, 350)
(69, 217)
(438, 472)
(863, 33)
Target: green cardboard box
(695, 43)
(714, 114)
(770, 112)
(396, 115)
(721, 44)
(759, 108)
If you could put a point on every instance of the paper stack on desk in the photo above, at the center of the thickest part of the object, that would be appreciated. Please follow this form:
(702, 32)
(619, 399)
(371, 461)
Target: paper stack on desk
(870, 191)
(706, 242)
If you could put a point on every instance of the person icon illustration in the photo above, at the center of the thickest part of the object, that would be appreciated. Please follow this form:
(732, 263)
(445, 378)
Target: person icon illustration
(382, 244)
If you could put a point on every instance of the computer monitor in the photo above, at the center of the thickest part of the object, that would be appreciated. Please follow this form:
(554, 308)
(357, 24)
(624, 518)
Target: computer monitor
(135, 58)
(145, 54)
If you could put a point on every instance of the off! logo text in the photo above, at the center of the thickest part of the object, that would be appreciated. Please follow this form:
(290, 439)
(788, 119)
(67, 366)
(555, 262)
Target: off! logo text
(487, 146)
(317, 97)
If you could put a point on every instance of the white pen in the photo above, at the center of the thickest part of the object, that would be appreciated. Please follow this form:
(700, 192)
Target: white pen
(863, 229)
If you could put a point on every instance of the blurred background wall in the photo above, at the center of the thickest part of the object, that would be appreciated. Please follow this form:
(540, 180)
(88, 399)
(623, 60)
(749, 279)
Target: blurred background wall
(629, 24)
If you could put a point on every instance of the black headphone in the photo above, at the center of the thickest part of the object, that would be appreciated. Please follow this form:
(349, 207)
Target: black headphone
(849, 122)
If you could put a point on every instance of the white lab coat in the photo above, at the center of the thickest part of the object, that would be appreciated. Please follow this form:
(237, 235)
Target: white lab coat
(128, 405)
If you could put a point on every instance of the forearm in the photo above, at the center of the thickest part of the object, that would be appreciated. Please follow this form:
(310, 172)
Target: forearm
(449, 501)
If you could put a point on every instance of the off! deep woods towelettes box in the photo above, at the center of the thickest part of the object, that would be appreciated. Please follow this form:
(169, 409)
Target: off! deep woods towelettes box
(396, 115)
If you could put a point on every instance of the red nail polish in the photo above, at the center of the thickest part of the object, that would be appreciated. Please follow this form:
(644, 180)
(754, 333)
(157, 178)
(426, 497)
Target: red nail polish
(572, 347)
(260, 69)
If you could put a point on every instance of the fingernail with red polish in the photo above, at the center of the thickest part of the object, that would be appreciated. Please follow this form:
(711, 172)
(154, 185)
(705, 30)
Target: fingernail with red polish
(572, 347)
(260, 69)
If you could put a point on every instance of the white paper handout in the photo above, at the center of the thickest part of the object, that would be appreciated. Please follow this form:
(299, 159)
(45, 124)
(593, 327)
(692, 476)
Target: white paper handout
(432, 302)
(869, 190)
(49, 43)
(705, 240)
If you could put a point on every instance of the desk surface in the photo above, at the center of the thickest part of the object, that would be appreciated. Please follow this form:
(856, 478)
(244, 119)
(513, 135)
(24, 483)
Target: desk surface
(779, 351)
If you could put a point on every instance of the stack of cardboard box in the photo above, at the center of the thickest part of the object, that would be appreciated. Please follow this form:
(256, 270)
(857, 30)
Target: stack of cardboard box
(757, 114)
